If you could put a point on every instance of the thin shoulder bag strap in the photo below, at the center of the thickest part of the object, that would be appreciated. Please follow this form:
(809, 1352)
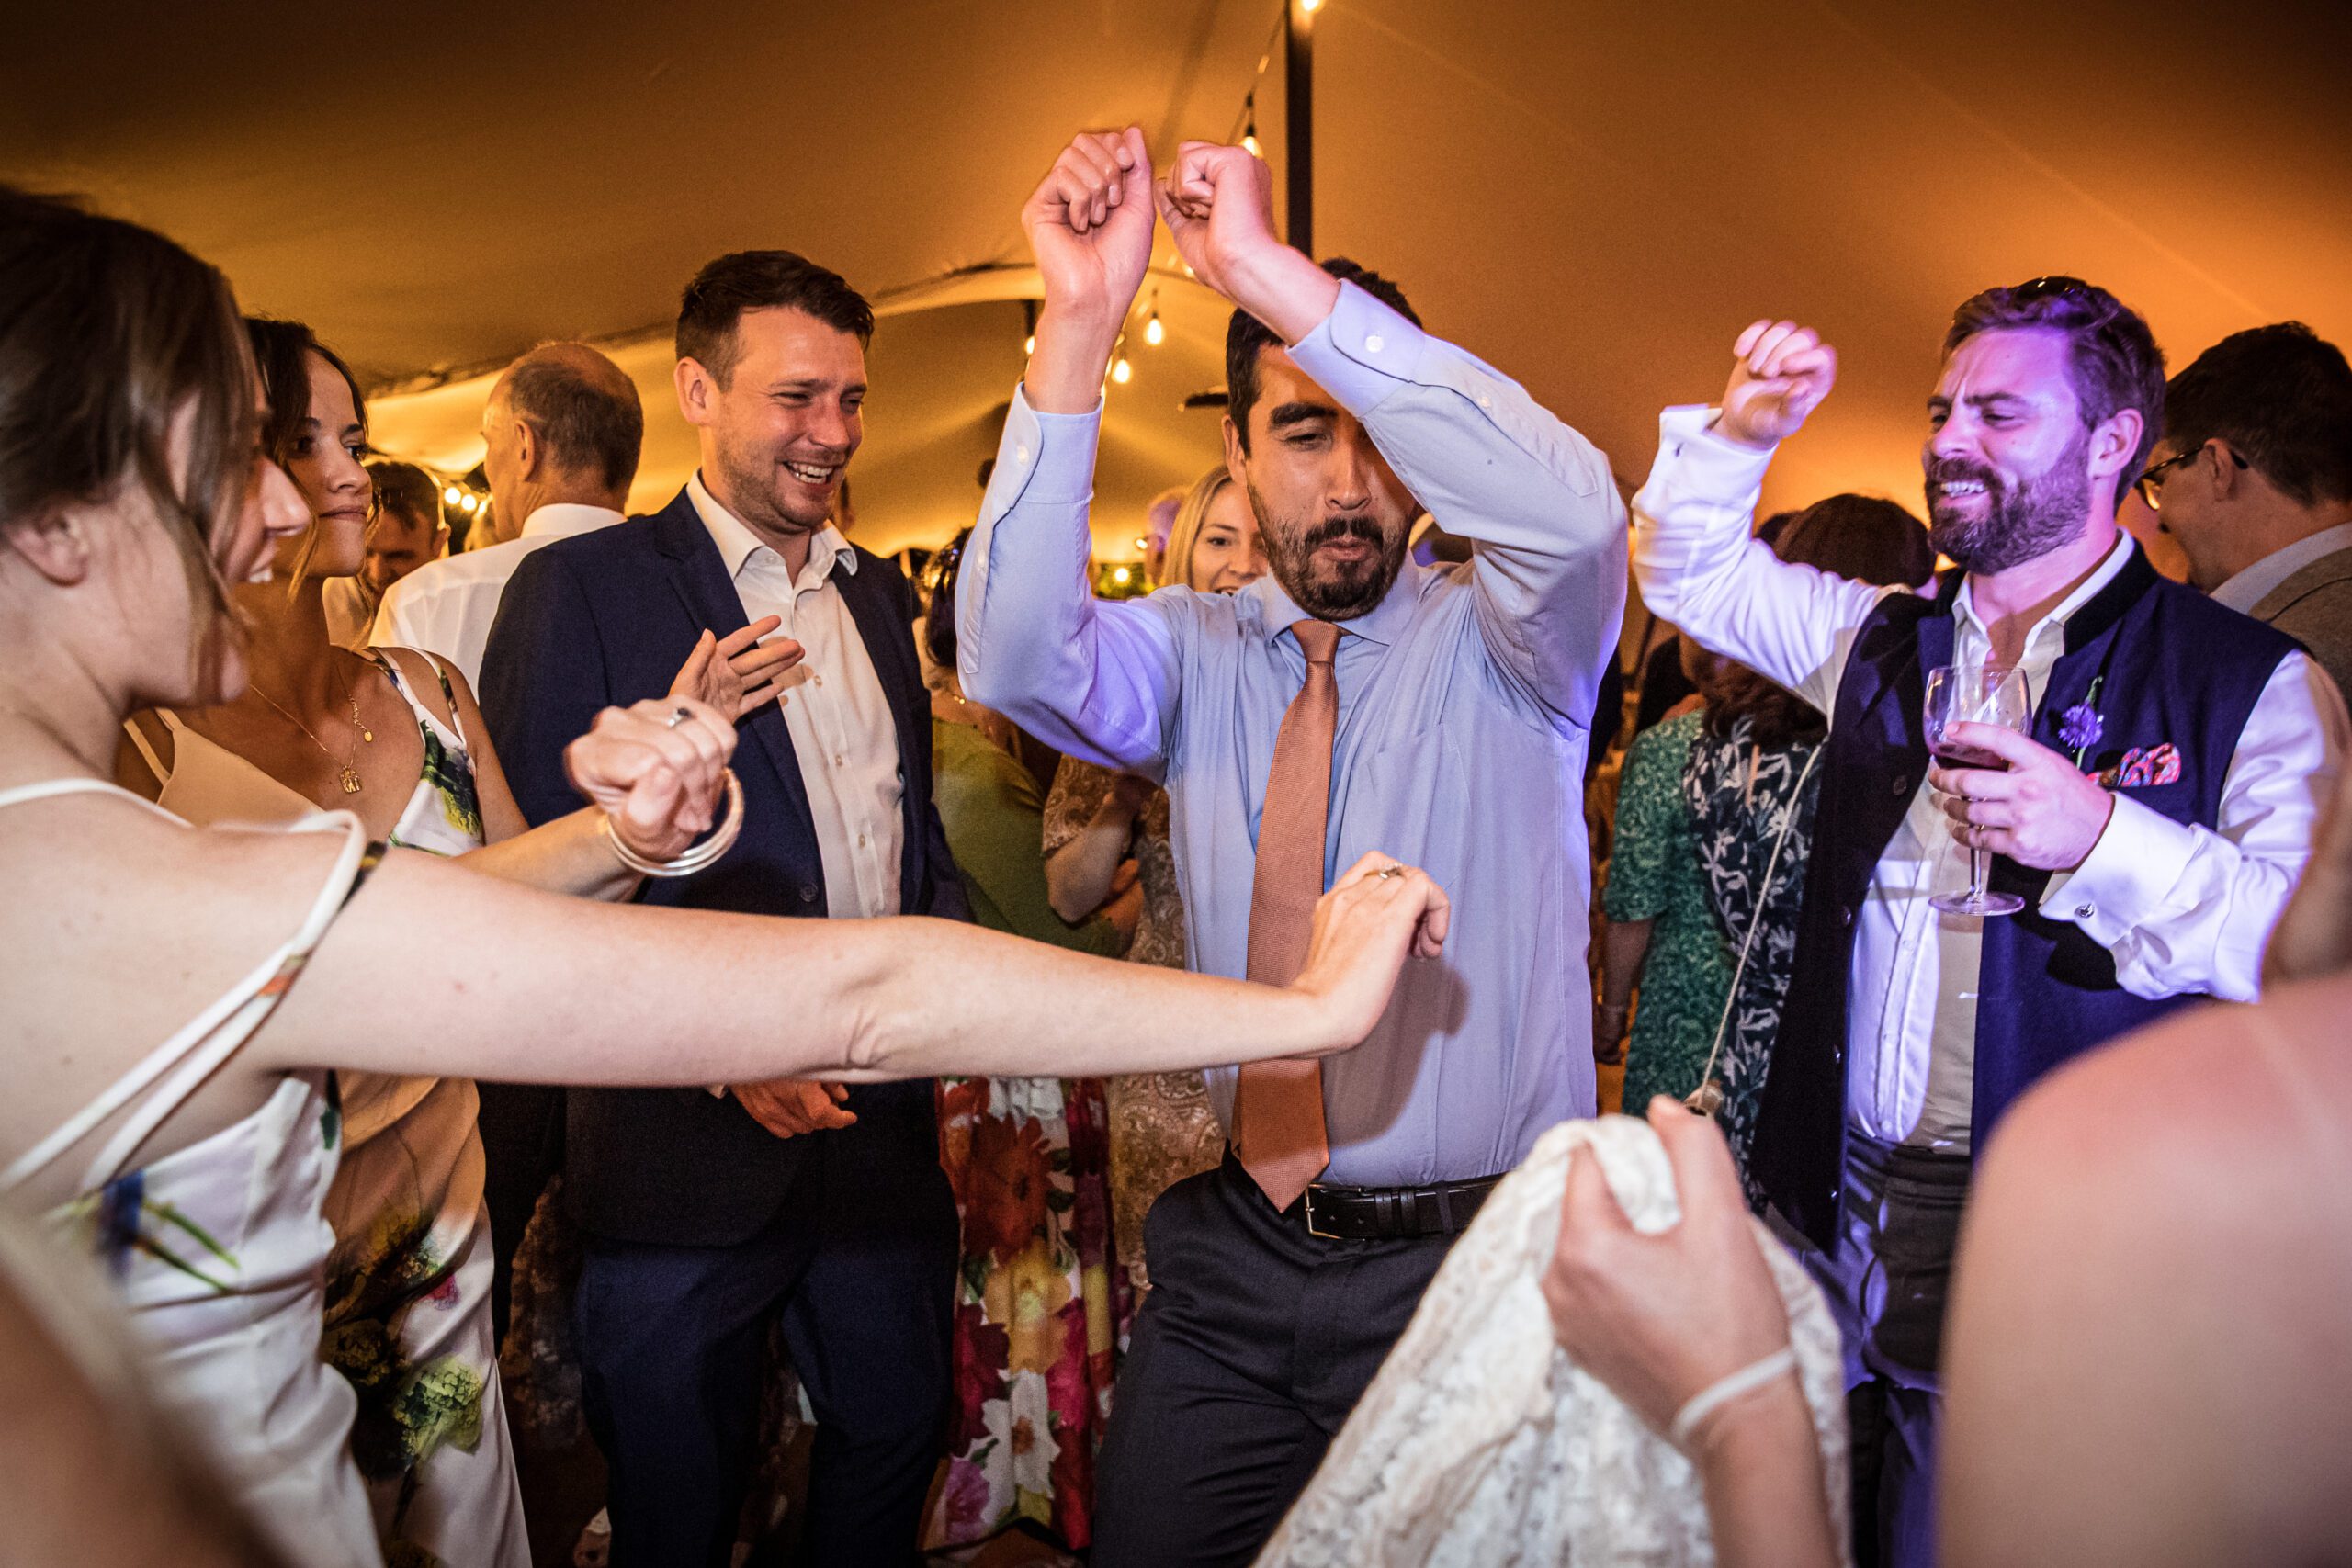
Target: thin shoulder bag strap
(391, 666)
(187, 1049)
(1755, 916)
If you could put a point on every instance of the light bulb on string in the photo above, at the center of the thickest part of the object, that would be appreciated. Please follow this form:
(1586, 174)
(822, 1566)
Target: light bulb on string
(1122, 372)
(453, 495)
(1153, 332)
(470, 504)
(1310, 6)
(1029, 347)
(1249, 126)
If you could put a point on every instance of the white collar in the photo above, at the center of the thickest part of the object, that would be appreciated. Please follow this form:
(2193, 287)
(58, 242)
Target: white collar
(737, 544)
(2253, 586)
(2110, 564)
(561, 519)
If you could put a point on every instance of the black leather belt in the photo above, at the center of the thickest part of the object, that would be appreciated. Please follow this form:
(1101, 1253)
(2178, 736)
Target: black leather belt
(1393, 1213)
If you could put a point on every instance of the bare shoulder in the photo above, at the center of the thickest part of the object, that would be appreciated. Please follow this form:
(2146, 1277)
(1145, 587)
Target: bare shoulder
(134, 924)
(2147, 1361)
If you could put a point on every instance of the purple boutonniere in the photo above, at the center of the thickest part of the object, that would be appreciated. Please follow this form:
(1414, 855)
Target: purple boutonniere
(2080, 727)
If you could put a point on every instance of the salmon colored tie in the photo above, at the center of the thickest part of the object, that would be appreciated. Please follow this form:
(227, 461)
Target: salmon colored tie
(1278, 1106)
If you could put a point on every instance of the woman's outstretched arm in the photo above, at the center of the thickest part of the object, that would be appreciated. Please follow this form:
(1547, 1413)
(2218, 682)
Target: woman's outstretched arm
(433, 969)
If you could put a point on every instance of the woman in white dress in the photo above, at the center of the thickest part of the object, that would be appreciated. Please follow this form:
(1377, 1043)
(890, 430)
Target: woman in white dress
(131, 483)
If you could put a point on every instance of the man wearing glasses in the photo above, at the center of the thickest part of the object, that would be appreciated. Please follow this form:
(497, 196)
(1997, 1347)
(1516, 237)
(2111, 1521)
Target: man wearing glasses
(2153, 818)
(2253, 477)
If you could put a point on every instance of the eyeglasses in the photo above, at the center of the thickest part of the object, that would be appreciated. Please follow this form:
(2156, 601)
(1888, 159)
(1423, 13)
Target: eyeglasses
(2151, 480)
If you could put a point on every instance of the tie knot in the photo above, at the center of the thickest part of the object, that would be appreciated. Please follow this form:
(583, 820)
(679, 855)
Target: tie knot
(1319, 641)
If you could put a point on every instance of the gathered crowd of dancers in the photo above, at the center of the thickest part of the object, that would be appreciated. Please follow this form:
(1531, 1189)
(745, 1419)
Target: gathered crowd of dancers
(1093, 1059)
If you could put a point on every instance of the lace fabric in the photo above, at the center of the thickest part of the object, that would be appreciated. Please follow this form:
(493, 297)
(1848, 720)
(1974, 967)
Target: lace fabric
(1482, 1445)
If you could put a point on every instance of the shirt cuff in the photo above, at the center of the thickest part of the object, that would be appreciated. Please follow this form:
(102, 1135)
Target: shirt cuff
(1045, 460)
(1703, 458)
(2128, 876)
(1362, 352)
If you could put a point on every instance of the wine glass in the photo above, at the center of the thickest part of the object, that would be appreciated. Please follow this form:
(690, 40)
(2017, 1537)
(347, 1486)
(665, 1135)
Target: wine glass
(1974, 694)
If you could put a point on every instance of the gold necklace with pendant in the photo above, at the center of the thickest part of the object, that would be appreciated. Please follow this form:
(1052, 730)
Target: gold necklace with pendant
(348, 776)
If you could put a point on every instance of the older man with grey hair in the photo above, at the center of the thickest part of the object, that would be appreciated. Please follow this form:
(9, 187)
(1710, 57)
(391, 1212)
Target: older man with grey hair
(563, 428)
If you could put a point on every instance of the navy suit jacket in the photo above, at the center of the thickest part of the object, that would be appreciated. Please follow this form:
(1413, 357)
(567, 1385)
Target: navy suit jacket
(604, 619)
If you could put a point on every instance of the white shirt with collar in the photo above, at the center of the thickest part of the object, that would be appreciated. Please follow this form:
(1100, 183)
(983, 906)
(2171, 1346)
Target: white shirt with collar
(2181, 908)
(446, 606)
(834, 708)
(2252, 586)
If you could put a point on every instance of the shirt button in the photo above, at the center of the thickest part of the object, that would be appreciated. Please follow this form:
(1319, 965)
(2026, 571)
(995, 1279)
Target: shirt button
(1375, 343)
(1902, 784)
(837, 761)
(1846, 916)
(2085, 911)
(1021, 454)
(808, 892)
(1485, 401)
(861, 840)
(816, 680)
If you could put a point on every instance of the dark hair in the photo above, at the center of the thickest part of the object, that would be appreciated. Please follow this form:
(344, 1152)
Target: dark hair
(1246, 336)
(939, 575)
(108, 332)
(2115, 362)
(2281, 396)
(282, 352)
(1866, 537)
(409, 490)
(587, 420)
(761, 280)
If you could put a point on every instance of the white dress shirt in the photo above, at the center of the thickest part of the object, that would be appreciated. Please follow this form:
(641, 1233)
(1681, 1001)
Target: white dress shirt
(445, 606)
(2181, 908)
(834, 708)
(2253, 586)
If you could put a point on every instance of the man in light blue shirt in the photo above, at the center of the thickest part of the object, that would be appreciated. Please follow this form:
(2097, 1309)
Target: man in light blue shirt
(1465, 704)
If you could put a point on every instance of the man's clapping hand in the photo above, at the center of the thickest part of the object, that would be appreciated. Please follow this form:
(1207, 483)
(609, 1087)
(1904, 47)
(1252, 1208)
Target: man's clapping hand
(738, 674)
(1218, 204)
(789, 1107)
(1780, 374)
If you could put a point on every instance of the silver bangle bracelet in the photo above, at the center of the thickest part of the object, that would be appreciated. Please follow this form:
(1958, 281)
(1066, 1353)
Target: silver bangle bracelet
(699, 857)
(1723, 1390)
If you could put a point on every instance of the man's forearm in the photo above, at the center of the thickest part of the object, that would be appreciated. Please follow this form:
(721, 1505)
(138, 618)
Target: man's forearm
(1283, 287)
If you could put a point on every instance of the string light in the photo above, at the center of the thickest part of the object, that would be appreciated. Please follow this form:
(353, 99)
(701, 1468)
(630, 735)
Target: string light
(1122, 372)
(1310, 6)
(453, 496)
(1249, 126)
(470, 504)
(1029, 347)
(1153, 332)
(1121, 575)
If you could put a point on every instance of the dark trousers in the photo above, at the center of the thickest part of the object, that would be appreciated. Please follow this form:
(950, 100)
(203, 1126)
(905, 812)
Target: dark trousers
(1887, 1283)
(860, 1262)
(522, 1148)
(1254, 1345)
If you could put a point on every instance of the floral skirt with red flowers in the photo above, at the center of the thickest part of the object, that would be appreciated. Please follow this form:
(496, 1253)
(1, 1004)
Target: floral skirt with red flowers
(1041, 1305)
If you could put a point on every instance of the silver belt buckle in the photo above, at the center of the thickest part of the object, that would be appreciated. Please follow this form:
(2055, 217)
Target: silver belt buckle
(1311, 1230)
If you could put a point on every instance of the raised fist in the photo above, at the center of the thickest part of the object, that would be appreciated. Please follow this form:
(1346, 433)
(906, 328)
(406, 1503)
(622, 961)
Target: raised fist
(1090, 224)
(1781, 371)
(1218, 203)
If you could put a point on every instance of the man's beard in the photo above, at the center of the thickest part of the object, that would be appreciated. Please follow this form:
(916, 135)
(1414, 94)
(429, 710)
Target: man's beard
(756, 491)
(1338, 593)
(2044, 513)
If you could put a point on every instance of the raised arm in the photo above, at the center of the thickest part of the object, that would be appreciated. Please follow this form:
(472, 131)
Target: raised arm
(1094, 679)
(1694, 556)
(1487, 460)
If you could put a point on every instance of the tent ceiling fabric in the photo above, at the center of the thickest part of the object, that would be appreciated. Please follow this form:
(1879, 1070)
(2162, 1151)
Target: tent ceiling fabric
(1595, 198)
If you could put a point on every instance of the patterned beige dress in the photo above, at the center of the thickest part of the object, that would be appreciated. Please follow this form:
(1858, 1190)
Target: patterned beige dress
(1162, 1127)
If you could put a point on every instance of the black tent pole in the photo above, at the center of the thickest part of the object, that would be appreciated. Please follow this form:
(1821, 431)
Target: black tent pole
(1298, 141)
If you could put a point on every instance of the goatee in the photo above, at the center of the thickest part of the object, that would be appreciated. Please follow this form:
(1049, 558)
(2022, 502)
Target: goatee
(1339, 593)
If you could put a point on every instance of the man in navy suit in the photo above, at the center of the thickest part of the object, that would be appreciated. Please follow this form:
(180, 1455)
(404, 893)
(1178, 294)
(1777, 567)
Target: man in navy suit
(708, 1212)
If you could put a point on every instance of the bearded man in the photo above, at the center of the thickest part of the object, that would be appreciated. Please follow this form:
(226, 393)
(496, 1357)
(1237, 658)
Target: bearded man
(1350, 700)
(2152, 820)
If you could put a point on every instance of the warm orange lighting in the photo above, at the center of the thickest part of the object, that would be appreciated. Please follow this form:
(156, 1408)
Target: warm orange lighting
(1031, 346)
(1310, 6)
(1250, 143)
(1119, 575)
(453, 495)
(1153, 332)
(470, 505)
(1122, 372)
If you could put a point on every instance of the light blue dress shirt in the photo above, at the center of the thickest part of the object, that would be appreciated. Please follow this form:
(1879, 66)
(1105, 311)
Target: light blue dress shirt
(1465, 706)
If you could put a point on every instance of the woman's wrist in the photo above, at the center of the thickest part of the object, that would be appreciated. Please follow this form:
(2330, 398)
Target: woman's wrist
(1755, 1425)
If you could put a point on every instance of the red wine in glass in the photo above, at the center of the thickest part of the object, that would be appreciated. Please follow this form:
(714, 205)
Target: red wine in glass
(1974, 694)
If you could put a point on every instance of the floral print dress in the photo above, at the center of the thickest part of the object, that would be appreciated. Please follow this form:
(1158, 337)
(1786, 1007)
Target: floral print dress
(1741, 799)
(1040, 1303)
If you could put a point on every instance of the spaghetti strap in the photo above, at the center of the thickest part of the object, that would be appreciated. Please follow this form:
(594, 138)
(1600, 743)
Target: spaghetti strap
(207, 1041)
(49, 789)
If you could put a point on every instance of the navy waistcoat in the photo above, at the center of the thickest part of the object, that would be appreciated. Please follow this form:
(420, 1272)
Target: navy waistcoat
(2171, 667)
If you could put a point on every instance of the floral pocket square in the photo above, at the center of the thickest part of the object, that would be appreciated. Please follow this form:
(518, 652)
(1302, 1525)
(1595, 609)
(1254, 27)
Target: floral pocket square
(2144, 767)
